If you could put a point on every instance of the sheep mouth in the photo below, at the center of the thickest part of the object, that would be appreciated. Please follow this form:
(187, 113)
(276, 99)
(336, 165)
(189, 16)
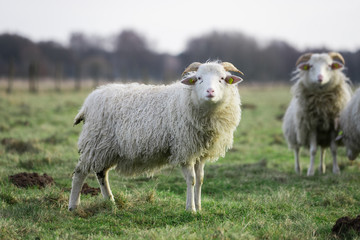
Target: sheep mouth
(210, 96)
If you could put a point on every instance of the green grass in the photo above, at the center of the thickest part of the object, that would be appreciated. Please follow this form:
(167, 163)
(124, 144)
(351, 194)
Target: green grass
(253, 193)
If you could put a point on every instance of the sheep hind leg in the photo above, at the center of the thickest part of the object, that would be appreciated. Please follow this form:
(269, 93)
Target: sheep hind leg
(199, 171)
(313, 149)
(103, 179)
(297, 160)
(333, 148)
(322, 166)
(77, 183)
(189, 175)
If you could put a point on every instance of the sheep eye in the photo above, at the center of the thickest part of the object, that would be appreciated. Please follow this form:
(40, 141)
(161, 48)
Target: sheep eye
(199, 78)
(222, 78)
(335, 66)
(305, 67)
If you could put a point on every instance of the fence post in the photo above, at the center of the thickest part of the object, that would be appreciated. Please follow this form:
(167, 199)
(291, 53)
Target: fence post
(32, 74)
(58, 77)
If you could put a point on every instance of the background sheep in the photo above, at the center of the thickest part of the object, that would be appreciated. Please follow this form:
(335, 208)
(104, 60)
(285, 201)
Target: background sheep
(320, 93)
(141, 128)
(349, 124)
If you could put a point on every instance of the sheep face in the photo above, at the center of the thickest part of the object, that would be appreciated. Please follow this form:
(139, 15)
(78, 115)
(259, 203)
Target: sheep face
(210, 83)
(352, 150)
(351, 154)
(319, 69)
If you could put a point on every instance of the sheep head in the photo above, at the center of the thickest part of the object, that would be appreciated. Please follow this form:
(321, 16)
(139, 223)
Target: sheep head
(211, 80)
(320, 68)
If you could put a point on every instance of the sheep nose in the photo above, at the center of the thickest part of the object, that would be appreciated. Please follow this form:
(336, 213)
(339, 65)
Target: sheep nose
(210, 90)
(320, 78)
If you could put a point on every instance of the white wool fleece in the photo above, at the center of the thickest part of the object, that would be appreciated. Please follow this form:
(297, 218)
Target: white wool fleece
(140, 128)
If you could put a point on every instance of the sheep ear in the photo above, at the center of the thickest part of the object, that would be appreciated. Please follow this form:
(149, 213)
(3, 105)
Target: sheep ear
(232, 79)
(189, 80)
(303, 58)
(338, 138)
(336, 65)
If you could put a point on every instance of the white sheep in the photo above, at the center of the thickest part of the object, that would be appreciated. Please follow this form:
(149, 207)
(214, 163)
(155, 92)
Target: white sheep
(349, 124)
(319, 95)
(141, 128)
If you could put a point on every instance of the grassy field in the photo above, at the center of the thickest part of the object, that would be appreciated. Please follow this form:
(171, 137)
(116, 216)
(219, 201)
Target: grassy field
(253, 193)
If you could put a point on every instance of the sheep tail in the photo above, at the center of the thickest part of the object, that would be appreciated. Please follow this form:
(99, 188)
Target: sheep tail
(79, 117)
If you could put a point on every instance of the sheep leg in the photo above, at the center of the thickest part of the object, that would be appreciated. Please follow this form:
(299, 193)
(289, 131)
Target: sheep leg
(322, 167)
(103, 179)
(77, 183)
(297, 161)
(189, 174)
(313, 149)
(333, 148)
(199, 171)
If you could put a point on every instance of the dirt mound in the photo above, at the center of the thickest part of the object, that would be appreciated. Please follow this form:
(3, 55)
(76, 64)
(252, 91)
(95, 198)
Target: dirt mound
(345, 224)
(280, 117)
(86, 189)
(18, 146)
(26, 180)
(248, 106)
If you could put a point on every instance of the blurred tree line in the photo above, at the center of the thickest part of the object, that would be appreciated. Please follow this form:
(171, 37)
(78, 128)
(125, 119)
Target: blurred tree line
(129, 56)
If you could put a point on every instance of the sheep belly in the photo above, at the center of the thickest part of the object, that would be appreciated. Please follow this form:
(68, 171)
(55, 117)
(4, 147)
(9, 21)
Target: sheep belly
(324, 137)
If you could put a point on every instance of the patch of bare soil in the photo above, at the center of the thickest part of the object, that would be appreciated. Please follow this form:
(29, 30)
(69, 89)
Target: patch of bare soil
(278, 139)
(26, 180)
(18, 146)
(280, 117)
(248, 106)
(86, 189)
(345, 224)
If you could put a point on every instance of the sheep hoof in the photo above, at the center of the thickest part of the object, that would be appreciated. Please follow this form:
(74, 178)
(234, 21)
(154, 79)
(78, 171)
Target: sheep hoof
(310, 172)
(322, 170)
(192, 210)
(72, 208)
(336, 170)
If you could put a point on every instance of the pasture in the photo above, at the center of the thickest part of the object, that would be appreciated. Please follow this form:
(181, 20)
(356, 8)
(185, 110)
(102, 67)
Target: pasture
(252, 193)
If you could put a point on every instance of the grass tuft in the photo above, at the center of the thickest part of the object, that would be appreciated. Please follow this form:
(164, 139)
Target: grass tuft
(8, 198)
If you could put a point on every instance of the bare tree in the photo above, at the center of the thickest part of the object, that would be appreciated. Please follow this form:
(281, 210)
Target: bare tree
(11, 76)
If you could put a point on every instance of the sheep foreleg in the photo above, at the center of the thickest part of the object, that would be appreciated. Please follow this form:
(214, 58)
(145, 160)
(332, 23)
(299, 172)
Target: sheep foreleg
(189, 174)
(77, 183)
(199, 171)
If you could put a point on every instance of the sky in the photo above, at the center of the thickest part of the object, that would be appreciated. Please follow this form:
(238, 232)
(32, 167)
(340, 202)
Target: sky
(169, 24)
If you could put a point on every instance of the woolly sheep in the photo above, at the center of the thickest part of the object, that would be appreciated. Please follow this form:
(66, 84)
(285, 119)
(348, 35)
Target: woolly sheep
(139, 129)
(349, 124)
(319, 95)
